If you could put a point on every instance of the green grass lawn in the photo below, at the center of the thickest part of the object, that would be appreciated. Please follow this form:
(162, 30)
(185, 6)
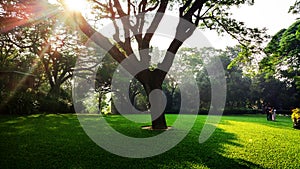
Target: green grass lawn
(58, 141)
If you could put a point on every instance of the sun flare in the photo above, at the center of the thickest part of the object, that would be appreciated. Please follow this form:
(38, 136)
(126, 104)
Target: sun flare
(76, 5)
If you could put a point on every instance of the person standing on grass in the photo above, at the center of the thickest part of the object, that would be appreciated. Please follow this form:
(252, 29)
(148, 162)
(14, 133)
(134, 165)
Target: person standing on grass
(271, 113)
(274, 114)
(267, 111)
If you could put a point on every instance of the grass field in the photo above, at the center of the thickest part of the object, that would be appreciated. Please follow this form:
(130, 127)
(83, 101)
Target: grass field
(58, 141)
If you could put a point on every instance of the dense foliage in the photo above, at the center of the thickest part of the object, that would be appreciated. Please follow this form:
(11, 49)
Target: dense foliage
(283, 53)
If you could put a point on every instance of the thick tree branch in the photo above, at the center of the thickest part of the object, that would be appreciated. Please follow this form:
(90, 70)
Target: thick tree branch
(98, 38)
(142, 6)
(117, 5)
(197, 5)
(157, 19)
(184, 7)
(145, 45)
(170, 55)
(153, 8)
(126, 45)
(183, 30)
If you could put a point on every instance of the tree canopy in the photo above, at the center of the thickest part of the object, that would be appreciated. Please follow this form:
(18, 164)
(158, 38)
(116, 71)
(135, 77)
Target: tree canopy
(283, 54)
(129, 22)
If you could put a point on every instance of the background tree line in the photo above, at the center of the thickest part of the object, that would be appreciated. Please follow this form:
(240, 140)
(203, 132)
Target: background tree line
(246, 92)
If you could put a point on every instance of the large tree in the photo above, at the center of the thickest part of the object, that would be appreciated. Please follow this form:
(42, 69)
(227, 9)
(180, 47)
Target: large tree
(283, 55)
(42, 41)
(57, 49)
(211, 14)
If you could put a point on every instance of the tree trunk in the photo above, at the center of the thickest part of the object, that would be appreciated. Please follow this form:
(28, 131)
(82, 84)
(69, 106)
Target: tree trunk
(157, 115)
(152, 81)
(113, 108)
(100, 102)
(55, 90)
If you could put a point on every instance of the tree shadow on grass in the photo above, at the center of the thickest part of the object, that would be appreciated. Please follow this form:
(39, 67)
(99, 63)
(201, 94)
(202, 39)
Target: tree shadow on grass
(190, 154)
(37, 141)
(58, 141)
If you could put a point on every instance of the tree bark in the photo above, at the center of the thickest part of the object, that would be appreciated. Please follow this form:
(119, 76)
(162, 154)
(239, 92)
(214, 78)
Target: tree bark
(152, 80)
(100, 102)
(55, 90)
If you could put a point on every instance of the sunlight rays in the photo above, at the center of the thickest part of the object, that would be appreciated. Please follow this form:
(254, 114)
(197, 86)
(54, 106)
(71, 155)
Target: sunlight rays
(76, 5)
(36, 14)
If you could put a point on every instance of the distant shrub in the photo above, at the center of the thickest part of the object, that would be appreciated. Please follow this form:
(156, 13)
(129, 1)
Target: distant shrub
(296, 117)
(241, 111)
(50, 104)
(232, 111)
(19, 102)
(30, 101)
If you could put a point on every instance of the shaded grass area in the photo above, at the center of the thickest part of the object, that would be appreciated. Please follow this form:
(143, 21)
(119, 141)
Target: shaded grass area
(58, 141)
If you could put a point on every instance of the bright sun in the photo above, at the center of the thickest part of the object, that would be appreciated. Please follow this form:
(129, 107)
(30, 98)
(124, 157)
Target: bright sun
(75, 5)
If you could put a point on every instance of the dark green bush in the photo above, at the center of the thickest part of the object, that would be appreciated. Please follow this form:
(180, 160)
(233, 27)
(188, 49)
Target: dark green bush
(241, 111)
(31, 102)
(19, 102)
(50, 104)
(231, 111)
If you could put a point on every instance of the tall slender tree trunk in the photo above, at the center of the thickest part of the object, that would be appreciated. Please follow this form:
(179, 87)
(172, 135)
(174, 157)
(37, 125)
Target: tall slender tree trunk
(100, 102)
